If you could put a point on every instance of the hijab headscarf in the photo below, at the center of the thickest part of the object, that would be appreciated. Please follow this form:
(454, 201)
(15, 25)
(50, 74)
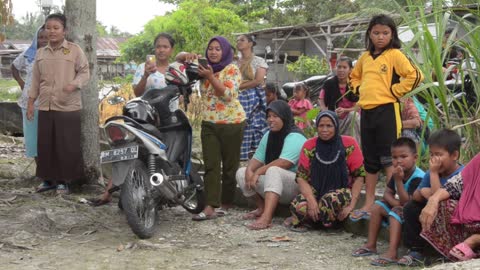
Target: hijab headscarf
(32, 50)
(468, 208)
(227, 54)
(329, 166)
(276, 139)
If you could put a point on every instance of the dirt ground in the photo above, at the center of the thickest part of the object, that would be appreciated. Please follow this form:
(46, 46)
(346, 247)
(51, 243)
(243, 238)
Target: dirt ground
(45, 231)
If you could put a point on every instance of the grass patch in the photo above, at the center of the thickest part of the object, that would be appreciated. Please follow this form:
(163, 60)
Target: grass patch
(6, 93)
(460, 115)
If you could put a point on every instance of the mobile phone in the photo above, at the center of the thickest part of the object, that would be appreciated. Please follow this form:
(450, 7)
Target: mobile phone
(203, 62)
(151, 58)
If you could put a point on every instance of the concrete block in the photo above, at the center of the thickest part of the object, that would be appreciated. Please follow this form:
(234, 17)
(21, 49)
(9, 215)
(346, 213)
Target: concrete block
(10, 118)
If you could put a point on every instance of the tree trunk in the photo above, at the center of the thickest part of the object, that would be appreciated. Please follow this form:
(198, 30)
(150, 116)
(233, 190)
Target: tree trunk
(81, 25)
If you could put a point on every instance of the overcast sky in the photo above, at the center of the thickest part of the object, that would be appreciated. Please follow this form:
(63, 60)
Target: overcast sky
(127, 15)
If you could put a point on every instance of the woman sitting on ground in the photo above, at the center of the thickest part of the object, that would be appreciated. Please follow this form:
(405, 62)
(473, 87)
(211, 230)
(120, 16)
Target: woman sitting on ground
(270, 175)
(451, 218)
(330, 176)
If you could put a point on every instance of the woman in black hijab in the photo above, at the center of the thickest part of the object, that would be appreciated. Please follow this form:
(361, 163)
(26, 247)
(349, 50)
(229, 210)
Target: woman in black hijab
(270, 175)
(330, 176)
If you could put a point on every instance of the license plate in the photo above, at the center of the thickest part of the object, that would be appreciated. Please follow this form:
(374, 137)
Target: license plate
(119, 154)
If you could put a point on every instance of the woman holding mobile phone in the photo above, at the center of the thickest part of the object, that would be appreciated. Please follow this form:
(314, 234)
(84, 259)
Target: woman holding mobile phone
(223, 121)
(151, 74)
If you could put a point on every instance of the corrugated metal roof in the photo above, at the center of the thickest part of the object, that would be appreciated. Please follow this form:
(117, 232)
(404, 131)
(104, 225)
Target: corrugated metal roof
(106, 47)
(109, 47)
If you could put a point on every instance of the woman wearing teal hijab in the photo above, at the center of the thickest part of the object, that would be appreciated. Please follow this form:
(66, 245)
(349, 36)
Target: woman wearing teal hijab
(24, 62)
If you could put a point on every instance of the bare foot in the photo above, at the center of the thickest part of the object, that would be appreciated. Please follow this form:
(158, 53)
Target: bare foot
(389, 256)
(256, 225)
(209, 210)
(253, 214)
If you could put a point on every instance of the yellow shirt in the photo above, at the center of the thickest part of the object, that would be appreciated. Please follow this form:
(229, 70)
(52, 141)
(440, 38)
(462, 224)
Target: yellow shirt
(224, 109)
(52, 71)
(377, 81)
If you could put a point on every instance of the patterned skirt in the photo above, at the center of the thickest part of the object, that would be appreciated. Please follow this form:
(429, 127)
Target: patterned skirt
(443, 235)
(330, 205)
(254, 104)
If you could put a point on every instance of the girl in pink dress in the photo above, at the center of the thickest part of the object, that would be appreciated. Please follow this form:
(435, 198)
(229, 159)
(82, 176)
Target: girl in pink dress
(300, 105)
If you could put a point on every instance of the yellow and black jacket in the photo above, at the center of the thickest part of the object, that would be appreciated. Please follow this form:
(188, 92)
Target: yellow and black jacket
(377, 81)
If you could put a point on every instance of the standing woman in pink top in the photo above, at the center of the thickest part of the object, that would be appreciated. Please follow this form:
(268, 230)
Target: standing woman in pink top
(60, 71)
(336, 96)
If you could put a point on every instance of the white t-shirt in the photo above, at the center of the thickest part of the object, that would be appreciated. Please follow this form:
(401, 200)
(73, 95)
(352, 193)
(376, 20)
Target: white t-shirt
(154, 81)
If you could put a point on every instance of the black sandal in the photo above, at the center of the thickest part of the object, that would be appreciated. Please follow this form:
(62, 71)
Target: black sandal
(98, 202)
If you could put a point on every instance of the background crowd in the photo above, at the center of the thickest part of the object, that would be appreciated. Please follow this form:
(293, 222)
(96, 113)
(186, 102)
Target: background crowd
(367, 124)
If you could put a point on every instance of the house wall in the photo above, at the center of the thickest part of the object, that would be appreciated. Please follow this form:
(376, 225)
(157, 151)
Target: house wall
(107, 69)
(292, 48)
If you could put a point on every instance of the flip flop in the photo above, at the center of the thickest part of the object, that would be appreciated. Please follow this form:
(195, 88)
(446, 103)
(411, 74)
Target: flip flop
(202, 216)
(467, 251)
(358, 215)
(256, 226)
(382, 261)
(298, 228)
(363, 252)
(44, 186)
(221, 212)
(412, 259)
(62, 189)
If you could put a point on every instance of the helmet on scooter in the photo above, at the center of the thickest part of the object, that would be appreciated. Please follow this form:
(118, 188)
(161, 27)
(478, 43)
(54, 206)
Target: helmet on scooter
(140, 111)
(176, 74)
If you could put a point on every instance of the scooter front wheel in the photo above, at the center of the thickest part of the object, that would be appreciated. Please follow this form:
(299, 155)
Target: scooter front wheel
(137, 201)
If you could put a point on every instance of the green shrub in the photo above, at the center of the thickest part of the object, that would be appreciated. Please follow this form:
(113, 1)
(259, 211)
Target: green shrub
(454, 114)
(307, 66)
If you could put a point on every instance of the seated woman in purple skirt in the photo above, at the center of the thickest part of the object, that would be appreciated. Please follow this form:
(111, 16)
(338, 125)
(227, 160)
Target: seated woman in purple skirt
(451, 218)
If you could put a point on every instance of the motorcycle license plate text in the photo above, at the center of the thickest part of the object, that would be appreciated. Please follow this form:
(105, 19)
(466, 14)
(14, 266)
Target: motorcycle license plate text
(119, 154)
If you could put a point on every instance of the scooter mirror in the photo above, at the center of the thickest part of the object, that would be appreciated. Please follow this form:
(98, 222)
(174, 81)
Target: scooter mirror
(115, 100)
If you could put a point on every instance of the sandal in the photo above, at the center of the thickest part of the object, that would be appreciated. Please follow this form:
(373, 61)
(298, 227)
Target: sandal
(298, 228)
(382, 261)
(62, 189)
(221, 212)
(44, 186)
(256, 226)
(363, 252)
(202, 216)
(462, 252)
(412, 259)
(251, 215)
(359, 214)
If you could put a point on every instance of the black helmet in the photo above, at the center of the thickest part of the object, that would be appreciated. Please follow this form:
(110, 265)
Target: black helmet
(140, 111)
